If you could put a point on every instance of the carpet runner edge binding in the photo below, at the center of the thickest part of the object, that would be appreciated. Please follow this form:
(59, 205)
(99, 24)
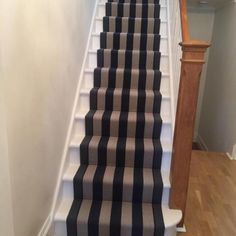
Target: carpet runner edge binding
(118, 187)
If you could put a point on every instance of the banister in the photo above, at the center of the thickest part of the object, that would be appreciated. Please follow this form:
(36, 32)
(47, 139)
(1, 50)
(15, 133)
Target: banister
(192, 61)
(184, 20)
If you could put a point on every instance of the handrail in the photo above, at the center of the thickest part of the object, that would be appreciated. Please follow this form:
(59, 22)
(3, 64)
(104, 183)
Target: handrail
(184, 20)
(192, 61)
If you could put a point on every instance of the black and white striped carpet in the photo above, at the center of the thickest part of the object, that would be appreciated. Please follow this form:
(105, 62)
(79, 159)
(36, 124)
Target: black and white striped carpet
(118, 187)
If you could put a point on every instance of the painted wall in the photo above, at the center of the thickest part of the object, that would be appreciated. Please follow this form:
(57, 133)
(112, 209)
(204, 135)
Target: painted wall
(42, 48)
(201, 23)
(217, 124)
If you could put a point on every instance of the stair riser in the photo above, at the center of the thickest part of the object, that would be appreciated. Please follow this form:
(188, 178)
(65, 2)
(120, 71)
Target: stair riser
(84, 104)
(74, 157)
(88, 82)
(79, 129)
(61, 229)
(111, 127)
(102, 12)
(91, 62)
(99, 27)
(161, 2)
(68, 192)
(95, 44)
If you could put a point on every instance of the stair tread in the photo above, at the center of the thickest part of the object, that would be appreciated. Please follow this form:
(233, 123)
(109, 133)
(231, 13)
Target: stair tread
(170, 217)
(166, 144)
(165, 117)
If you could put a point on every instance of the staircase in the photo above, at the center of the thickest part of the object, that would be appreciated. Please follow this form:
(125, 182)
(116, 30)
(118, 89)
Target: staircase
(116, 175)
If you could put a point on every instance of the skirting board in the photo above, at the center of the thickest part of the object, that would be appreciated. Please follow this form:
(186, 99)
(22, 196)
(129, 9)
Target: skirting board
(230, 157)
(46, 227)
(202, 143)
(181, 229)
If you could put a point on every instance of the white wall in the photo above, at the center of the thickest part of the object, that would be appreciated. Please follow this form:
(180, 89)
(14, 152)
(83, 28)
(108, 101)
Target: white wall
(42, 48)
(217, 124)
(201, 24)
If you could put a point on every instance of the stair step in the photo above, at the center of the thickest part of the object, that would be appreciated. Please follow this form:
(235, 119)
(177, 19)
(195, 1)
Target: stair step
(170, 217)
(129, 59)
(126, 78)
(133, 10)
(125, 100)
(131, 25)
(151, 154)
(114, 151)
(128, 41)
(136, 1)
(117, 183)
(123, 124)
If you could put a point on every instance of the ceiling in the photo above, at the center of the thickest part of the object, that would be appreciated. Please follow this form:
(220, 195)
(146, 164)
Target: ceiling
(210, 3)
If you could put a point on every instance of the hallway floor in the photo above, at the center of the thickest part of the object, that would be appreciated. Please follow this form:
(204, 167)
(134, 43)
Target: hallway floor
(211, 207)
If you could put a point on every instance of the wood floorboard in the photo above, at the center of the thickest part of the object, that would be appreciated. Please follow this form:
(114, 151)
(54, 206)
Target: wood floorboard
(211, 206)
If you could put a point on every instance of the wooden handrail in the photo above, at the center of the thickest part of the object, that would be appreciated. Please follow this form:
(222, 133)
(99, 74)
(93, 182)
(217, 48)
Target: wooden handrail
(184, 20)
(192, 62)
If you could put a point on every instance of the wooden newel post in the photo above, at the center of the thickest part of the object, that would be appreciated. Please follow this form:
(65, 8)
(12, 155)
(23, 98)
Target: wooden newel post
(192, 64)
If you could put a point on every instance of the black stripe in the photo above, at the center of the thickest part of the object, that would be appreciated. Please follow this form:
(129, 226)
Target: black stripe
(114, 58)
(131, 26)
(89, 122)
(130, 42)
(143, 60)
(139, 153)
(138, 185)
(116, 41)
(102, 151)
(106, 123)
(144, 11)
(143, 42)
(93, 98)
(156, 61)
(71, 220)
(156, 42)
(100, 58)
(157, 102)
(137, 219)
(84, 154)
(128, 60)
(103, 40)
(157, 126)
(158, 221)
(132, 10)
(112, 79)
(115, 223)
(93, 220)
(97, 77)
(158, 187)
(144, 26)
(106, 24)
(157, 80)
(108, 9)
(98, 183)
(118, 23)
(120, 10)
(157, 26)
(157, 156)
(120, 152)
(78, 182)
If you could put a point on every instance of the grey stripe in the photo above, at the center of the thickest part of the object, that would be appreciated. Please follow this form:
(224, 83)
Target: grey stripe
(107, 187)
(88, 182)
(82, 220)
(111, 151)
(128, 185)
(126, 219)
(148, 184)
(93, 155)
(148, 220)
(104, 220)
(129, 152)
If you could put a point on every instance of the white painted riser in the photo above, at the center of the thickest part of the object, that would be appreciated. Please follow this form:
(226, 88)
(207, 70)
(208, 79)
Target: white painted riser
(99, 27)
(102, 12)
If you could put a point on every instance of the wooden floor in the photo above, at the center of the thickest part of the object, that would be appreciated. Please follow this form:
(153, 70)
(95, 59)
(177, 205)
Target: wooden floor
(211, 207)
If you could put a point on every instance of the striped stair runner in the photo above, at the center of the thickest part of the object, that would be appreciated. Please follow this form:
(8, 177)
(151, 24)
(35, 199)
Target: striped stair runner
(118, 187)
